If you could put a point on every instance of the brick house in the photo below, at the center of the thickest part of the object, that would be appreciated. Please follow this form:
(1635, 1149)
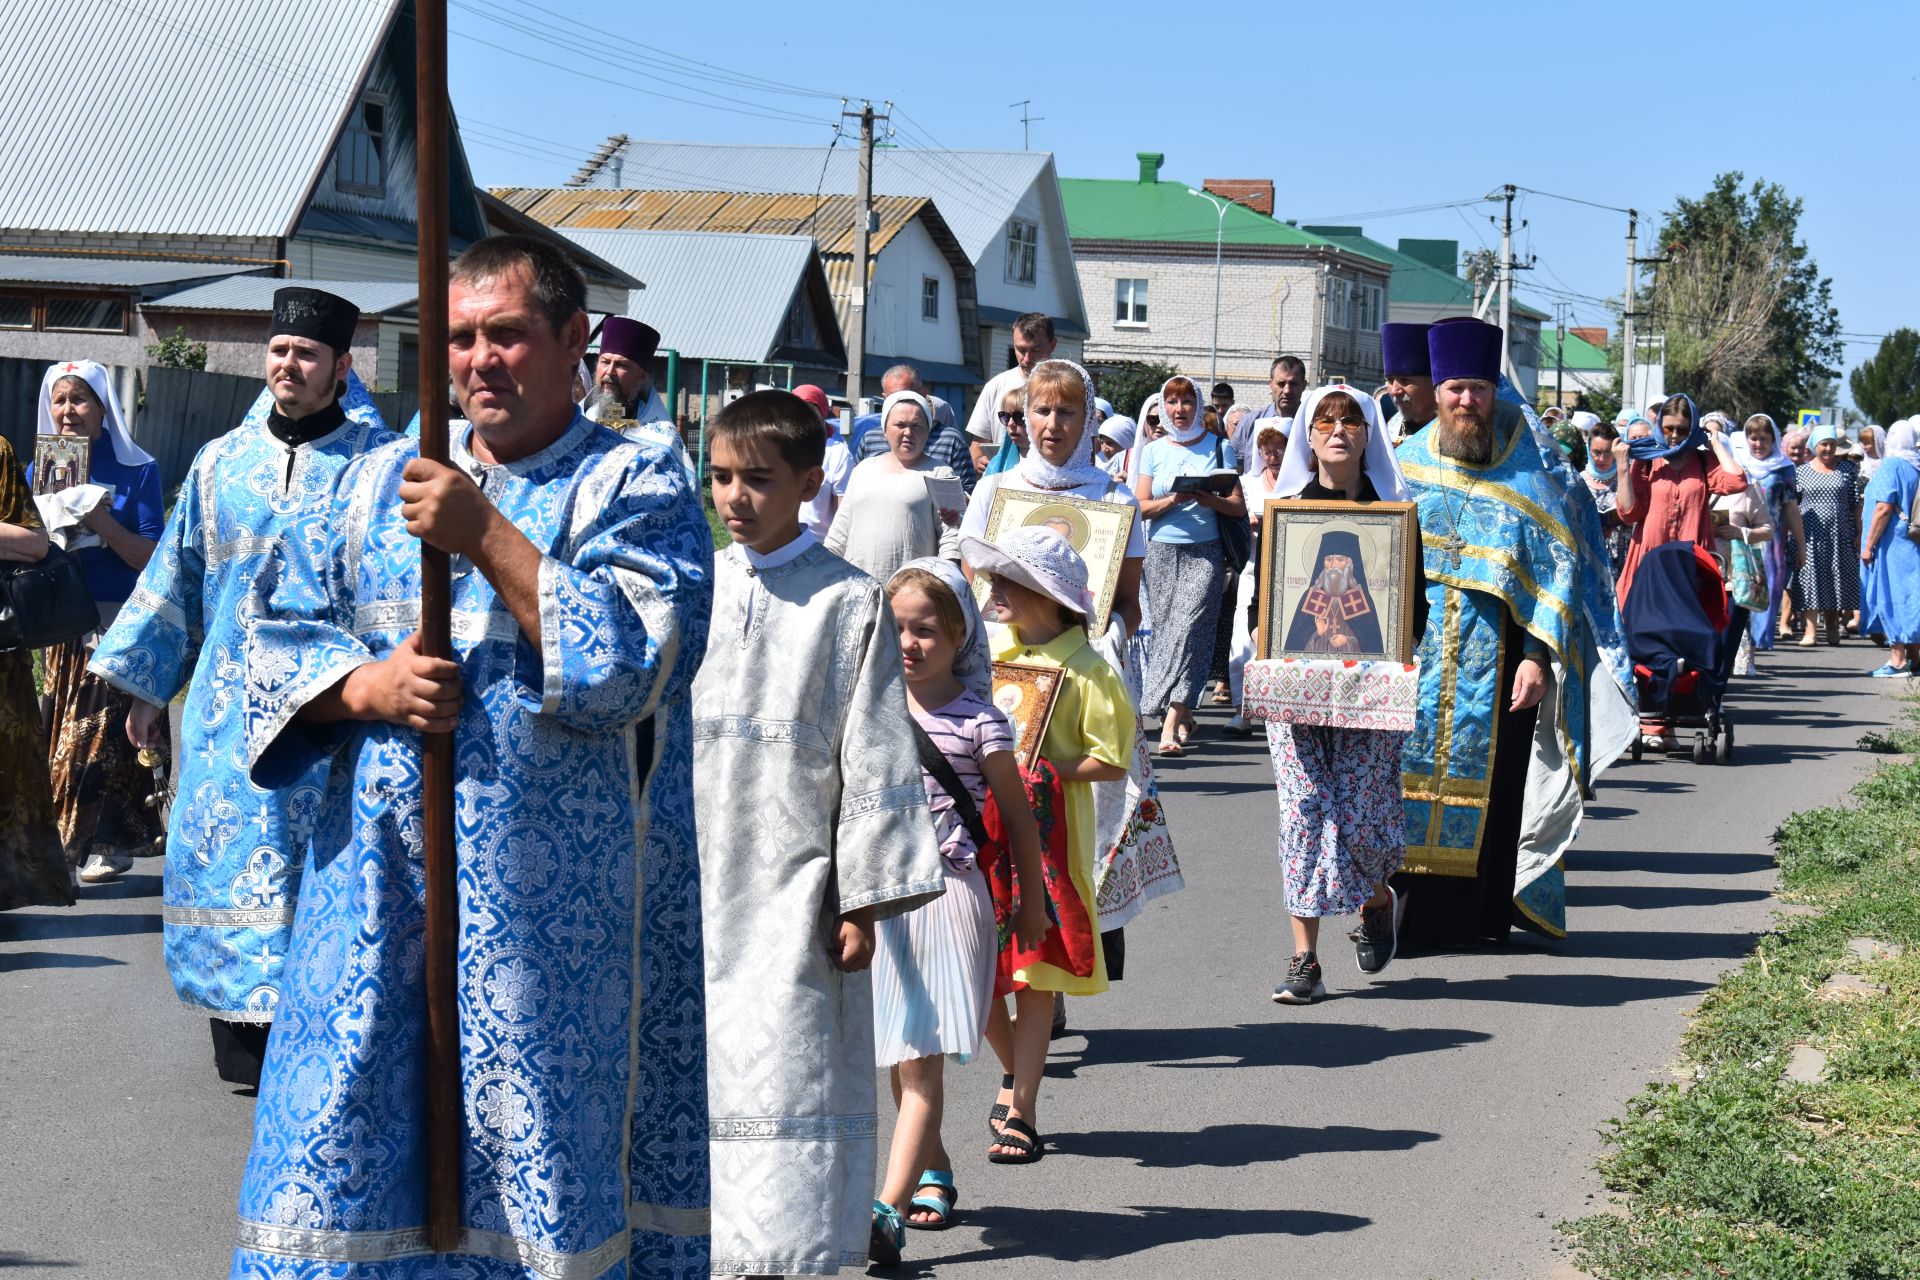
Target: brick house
(1144, 248)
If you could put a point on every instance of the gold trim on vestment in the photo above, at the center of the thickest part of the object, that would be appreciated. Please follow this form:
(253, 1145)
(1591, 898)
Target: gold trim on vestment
(1432, 858)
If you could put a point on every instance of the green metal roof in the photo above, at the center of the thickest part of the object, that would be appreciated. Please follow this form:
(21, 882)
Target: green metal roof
(1414, 280)
(1124, 209)
(1581, 356)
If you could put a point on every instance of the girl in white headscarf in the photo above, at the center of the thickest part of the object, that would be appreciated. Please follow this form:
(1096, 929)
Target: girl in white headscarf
(934, 967)
(887, 516)
(98, 784)
(1342, 830)
(1770, 472)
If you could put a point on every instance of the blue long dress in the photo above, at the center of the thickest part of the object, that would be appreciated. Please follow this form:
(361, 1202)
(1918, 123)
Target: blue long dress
(579, 963)
(1890, 586)
(1777, 486)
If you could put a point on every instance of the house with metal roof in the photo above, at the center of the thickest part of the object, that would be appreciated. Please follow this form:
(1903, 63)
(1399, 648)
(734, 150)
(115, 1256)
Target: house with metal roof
(1427, 286)
(210, 143)
(921, 307)
(1573, 363)
(740, 312)
(1146, 251)
(1004, 208)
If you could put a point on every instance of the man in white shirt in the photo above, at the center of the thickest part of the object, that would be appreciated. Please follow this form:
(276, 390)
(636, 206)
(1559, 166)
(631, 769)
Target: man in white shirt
(1033, 341)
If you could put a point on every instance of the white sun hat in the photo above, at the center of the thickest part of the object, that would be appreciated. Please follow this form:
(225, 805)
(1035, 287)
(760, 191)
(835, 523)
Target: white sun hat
(1038, 558)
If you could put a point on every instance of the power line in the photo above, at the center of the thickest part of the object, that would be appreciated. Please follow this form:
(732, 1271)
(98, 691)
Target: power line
(1591, 204)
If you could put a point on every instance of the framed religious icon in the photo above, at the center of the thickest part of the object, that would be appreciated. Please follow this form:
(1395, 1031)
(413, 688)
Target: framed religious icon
(1025, 695)
(1337, 579)
(60, 462)
(1097, 530)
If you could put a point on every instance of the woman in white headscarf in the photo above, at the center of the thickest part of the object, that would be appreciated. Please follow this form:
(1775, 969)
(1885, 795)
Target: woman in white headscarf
(887, 516)
(1770, 471)
(1342, 830)
(1889, 558)
(1185, 571)
(1134, 857)
(98, 785)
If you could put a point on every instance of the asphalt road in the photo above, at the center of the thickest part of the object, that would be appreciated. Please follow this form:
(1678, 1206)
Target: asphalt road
(1434, 1121)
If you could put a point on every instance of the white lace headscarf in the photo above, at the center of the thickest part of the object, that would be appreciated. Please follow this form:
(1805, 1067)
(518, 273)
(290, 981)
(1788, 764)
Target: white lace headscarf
(1382, 467)
(1080, 469)
(1198, 430)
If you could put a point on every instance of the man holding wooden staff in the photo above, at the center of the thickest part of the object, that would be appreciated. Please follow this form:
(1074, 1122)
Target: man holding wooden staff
(580, 598)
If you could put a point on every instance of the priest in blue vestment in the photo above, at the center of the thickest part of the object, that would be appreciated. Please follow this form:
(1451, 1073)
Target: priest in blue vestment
(581, 589)
(1526, 693)
(234, 849)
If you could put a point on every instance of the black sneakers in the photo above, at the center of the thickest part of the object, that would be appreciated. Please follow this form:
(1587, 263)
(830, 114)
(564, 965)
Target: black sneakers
(1374, 943)
(1303, 984)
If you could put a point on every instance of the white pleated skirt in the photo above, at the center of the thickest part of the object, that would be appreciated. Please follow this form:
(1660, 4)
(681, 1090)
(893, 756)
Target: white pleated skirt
(933, 974)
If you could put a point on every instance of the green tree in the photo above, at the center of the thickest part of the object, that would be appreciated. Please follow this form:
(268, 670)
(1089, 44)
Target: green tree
(1886, 386)
(175, 352)
(1127, 385)
(1748, 319)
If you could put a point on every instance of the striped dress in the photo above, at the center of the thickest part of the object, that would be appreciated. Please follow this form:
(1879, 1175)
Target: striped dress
(933, 967)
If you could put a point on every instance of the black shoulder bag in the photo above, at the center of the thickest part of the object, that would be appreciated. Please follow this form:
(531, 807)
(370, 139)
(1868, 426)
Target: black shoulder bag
(943, 773)
(45, 603)
(1236, 532)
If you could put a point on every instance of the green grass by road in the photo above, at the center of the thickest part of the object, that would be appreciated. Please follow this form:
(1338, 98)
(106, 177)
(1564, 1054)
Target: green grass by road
(1739, 1173)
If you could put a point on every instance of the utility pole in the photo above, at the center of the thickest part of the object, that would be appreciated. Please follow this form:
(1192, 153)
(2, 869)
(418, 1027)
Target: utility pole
(1560, 310)
(1626, 312)
(1506, 288)
(1026, 122)
(862, 244)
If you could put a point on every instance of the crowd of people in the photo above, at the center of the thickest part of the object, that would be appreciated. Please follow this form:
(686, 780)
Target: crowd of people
(736, 828)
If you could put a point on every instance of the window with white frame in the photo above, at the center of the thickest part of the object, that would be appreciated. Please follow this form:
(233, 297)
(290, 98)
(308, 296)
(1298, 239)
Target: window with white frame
(1130, 301)
(362, 164)
(1368, 301)
(929, 298)
(1337, 303)
(1023, 251)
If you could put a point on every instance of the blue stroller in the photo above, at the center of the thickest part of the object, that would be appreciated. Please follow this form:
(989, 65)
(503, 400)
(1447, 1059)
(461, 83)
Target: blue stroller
(1683, 641)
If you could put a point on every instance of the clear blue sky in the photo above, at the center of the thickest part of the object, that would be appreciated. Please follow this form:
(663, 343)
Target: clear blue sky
(1351, 109)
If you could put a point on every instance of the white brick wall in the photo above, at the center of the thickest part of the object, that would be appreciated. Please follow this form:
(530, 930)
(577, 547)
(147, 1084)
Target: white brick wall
(1268, 307)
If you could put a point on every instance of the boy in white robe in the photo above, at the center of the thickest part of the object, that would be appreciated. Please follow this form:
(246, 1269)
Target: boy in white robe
(813, 824)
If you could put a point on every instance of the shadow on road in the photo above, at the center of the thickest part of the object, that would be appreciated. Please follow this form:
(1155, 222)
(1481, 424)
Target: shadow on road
(1569, 990)
(10, 961)
(9, 1258)
(1654, 897)
(1259, 1044)
(1233, 1146)
(1656, 944)
(128, 886)
(20, 926)
(1677, 863)
(1071, 1235)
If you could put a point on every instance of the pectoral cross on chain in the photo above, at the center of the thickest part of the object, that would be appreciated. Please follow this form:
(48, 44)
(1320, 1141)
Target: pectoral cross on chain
(1451, 546)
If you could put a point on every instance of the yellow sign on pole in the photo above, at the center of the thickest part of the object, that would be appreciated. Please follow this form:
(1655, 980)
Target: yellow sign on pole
(1809, 418)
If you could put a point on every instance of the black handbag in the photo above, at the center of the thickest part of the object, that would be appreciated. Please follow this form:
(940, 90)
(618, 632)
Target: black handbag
(1236, 532)
(44, 603)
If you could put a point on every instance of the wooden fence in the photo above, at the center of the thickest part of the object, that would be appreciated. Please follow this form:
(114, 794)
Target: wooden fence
(183, 409)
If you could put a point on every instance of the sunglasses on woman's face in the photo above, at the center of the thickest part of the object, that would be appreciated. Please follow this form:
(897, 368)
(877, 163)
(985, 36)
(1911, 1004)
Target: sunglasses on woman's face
(1009, 418)
(1153, 419)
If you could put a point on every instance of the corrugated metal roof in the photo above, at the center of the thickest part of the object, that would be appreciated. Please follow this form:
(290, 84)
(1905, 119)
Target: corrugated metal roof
(206, 119)
(253, 293)
(712, 295)
(1580, 355)
(976, 191)
(829, 220)
(124, 273)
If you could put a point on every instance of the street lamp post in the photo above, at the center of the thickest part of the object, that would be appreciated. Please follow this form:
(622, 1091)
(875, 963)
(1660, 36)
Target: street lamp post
(1219, 237)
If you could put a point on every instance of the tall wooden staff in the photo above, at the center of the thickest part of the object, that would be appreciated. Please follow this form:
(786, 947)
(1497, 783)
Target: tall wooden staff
(445, 1141)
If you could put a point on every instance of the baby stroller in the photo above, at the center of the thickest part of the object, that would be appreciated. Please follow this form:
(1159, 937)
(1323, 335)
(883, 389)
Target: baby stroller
(1683, 643)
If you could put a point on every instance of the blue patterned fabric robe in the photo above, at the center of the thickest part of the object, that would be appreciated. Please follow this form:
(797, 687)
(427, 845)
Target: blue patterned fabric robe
(234, 849)
(579, 970)
(1519, 537)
